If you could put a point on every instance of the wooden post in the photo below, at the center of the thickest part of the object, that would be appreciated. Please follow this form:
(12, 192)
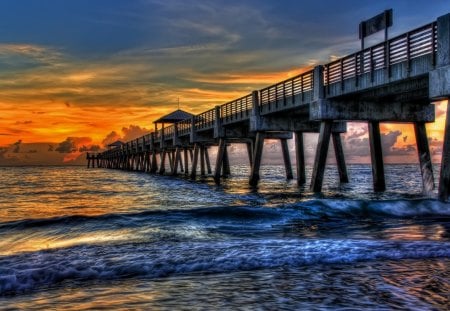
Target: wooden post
(162, 165)
(154, 167)
(340, 158)
(321, 156)
(286, 158)
(257, 155)
(202, 161)
(219, 160)
(138, 162)
(176, 161)
(186, 162)
(376, 154)
(226, 163)
(444, 179)
(208, 162)
(250, 152)
(149, 163)
(171, 157)
(300, 158)
(194, 161)
(423, 150)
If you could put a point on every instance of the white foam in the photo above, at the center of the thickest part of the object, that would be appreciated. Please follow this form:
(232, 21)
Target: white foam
(30, 271)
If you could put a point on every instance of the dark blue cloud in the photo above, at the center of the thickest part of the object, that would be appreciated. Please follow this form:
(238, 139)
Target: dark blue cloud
(92, 28)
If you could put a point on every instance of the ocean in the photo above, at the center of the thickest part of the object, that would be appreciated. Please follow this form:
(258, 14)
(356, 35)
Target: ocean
(73, 238)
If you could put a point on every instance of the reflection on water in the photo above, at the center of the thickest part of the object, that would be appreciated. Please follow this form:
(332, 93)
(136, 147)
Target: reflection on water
(411, 285)
(72, 238)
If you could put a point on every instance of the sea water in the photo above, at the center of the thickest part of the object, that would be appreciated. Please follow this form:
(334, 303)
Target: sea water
(73, 238)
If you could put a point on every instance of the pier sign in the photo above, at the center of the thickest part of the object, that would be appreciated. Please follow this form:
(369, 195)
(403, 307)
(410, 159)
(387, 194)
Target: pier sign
(375, 24)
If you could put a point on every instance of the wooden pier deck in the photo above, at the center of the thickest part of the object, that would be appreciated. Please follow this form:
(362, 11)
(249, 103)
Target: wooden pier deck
(394, 81)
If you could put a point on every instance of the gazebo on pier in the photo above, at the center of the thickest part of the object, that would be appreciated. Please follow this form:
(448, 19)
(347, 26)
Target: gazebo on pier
(173, 117)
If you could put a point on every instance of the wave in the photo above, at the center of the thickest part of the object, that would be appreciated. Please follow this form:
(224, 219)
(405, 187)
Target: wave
(223, 212)
(325, 209)
(373, 208)
(43, 269)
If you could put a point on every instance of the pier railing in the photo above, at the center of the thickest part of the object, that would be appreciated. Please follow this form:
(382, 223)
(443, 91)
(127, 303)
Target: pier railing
(205, 120)
(236, 110)
(283, 95)
(403, 48)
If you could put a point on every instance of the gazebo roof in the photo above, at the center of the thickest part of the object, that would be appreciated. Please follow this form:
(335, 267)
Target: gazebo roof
(117, 143)
(173, 117)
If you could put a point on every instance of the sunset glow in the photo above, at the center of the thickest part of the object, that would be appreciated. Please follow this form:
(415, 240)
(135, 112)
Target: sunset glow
(102, 86)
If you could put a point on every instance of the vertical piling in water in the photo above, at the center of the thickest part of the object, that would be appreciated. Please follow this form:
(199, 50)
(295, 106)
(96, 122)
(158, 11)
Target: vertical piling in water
(162, 165)
(207, 160)
(324, 135)
(202, 161)
(180, 161)
(376, 154)
(286, 158)
(219, 160)
(321, 156)
(423, 150)
(439, 89)
(226, 171)
(300, 158)
(171, 159)
(444, 179)
(340, 159)
(250, 151)
(257, 155)
(148, 160)
(176, 160)
(186, 161)
(154, 167)
(195, 161)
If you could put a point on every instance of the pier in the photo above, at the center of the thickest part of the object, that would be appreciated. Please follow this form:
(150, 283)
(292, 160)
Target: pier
(394, 81)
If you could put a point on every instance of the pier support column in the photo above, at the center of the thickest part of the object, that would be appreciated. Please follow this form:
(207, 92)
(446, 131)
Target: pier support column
(444, 179)
(150, 161)
(257, 155)
(286, 158)
(180, 162)
(219, 160)
(376, 154)
(250, 151)
(340, 158)
(176, 161)
(195, 161)
(186, 162)
(226, 164)
(170, 155)
(300, 158)
(202, 161)
(208, 162)
(154, 166)
(321, 156)
(423, 150)
(162, 166)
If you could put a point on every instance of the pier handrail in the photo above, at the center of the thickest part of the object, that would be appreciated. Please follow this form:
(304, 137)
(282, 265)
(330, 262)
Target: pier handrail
(236, 109)
(205, 120)
(288, 88)
(412, 44)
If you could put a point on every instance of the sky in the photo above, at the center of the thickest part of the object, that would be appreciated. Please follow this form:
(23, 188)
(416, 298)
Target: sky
(78, 74)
